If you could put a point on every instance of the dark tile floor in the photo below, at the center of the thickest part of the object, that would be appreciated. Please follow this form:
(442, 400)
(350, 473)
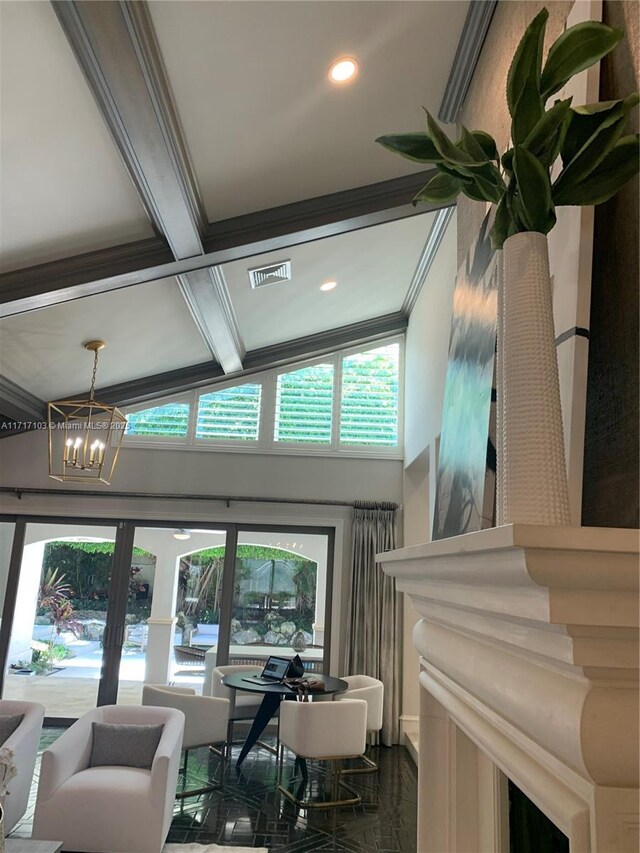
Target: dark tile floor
(249, 812)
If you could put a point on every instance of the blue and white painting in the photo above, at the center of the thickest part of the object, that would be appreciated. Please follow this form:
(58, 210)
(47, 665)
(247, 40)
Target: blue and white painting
(466, 452)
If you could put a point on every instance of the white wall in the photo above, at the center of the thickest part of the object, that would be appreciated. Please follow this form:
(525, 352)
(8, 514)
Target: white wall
(427, 349)
(23, 462)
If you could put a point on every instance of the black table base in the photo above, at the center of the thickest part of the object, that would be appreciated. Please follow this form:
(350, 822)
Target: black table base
(268, 708)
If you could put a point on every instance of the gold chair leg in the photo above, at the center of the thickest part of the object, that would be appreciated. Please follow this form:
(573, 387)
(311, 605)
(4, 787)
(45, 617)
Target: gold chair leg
(336, 784)
(370, 764)
(204, 789)
(371, 767)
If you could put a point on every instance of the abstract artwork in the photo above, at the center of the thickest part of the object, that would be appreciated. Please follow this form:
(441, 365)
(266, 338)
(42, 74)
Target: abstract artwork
(465, 484)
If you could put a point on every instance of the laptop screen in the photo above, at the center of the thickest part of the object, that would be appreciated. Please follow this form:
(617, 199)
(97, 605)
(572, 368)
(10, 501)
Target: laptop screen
(276, 668)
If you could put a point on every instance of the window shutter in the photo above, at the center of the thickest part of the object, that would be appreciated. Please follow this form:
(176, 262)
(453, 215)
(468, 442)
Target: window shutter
(369, 401)
(170, 420)
(304, 403)
(232, 414)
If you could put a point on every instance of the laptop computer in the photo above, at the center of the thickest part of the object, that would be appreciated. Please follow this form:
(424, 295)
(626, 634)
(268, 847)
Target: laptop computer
(275, 669)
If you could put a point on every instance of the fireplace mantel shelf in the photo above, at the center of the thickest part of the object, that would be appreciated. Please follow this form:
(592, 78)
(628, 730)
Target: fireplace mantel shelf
(529, 641)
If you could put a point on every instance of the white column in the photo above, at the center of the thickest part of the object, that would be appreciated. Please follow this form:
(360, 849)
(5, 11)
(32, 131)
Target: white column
(321, 594)
(162, 621)
(26, 603)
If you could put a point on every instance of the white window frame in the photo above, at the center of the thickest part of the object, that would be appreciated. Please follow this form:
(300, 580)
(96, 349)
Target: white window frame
(266, 442)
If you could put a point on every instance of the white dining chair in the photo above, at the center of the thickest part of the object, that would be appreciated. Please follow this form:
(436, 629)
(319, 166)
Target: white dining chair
(243, 705)
(371, 690)
(331, 731)
(206, 721)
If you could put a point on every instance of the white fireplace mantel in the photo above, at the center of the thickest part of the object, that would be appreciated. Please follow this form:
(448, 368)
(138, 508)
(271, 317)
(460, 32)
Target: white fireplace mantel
(529, 664)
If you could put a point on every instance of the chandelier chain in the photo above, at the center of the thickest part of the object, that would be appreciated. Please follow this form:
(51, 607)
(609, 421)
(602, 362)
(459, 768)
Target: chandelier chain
(93, 376)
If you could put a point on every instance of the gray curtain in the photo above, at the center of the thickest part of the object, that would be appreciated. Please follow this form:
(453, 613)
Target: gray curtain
(374, 633)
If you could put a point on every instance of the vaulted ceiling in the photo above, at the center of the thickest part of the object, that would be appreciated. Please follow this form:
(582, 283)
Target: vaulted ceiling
(153, 152)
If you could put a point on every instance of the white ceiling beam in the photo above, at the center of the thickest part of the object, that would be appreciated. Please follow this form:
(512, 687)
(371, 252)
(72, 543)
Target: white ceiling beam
(276, 229)
(116, 48)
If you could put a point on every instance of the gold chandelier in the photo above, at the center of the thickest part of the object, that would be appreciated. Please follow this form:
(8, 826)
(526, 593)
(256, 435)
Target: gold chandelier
(84, 435)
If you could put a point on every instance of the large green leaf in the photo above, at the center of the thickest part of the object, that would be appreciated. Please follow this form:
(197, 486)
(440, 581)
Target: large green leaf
(448, 151)
(525, 68)
(488, 188)
(577, 48)
(441, 189)
(619, 166)
(543, 134)
(414, 146)
(487, 143)
(500, 229)
(534, 188)
(591, 154)
(470, 144)
(588, 120)
(528, 112)
(507, 160)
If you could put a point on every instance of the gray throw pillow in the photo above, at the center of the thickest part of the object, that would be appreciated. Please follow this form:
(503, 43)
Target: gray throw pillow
(8, 725)
(124, 745)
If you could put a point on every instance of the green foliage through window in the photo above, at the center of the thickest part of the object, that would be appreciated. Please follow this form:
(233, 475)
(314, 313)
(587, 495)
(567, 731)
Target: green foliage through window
(233, 413)
(171, 419)
(304, 405)
(369, 402)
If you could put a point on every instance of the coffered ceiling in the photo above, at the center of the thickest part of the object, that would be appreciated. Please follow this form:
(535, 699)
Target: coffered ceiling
(152, 152)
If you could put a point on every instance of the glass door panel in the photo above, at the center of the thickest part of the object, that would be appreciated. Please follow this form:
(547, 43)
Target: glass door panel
(173, 608)
(7, 529)
(279, 597)
(55, 652)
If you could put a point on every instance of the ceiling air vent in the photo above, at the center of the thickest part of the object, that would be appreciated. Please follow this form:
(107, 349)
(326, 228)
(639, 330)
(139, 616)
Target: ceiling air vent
(271, 274)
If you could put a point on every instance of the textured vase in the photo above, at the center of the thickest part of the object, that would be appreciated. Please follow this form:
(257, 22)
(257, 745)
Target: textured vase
(532, 483)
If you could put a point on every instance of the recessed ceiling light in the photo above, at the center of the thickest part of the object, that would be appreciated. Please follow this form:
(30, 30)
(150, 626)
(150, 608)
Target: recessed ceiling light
(182, 534)
(343, 70)
(328, 285)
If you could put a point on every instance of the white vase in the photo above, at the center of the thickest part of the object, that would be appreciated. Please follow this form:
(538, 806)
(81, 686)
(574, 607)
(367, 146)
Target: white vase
(532, 483)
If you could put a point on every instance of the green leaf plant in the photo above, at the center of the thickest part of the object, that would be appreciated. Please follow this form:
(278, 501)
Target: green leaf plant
(597, 155)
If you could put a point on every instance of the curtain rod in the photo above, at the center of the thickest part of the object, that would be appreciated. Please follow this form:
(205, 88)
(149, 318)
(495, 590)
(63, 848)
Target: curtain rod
(75, 493)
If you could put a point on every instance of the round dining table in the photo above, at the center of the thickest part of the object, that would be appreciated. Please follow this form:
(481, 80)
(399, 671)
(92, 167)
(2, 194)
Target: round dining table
(273, 694)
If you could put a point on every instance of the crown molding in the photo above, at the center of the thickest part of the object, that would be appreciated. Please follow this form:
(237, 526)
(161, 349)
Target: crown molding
(427, 257)
(471, 41)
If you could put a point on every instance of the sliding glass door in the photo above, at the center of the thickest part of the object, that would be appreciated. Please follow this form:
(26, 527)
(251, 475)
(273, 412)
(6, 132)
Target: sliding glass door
(96, 610)
(280, 596)
(172, 608)
(55, 645)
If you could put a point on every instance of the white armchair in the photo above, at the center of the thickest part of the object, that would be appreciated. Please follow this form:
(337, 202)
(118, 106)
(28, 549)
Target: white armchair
(109, 809)
(206, 721)
(372, 691)
(243, 704)
(24, 743)
(323, 730)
